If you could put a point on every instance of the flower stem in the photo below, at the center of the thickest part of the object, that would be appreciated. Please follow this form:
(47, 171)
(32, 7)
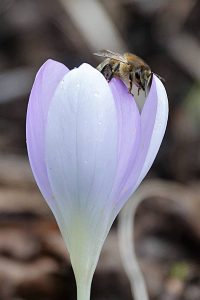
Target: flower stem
(126, 242)
(83, 291)
(151, 188)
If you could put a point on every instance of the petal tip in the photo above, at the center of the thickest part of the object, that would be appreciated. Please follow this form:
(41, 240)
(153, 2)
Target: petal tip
(87, 68)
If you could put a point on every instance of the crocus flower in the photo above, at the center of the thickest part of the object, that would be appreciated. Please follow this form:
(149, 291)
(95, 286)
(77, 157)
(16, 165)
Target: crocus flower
(89, 148)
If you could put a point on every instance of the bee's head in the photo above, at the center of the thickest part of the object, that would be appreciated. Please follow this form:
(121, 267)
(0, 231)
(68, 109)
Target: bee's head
(143, 77)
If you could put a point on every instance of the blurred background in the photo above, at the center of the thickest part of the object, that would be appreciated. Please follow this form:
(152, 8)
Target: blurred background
(33, 260)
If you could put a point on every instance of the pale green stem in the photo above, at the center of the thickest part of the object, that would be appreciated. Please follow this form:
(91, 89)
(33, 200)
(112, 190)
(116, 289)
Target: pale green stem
(84, 254)
(83, 291)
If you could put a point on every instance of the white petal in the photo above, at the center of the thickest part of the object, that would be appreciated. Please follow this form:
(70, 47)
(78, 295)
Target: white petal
(81, 158)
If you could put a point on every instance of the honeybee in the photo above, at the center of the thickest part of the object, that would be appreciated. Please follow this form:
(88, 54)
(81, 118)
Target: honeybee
(128, 67)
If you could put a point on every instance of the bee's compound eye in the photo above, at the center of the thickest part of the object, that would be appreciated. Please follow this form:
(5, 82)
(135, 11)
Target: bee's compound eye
(137, 74)
(107, 72)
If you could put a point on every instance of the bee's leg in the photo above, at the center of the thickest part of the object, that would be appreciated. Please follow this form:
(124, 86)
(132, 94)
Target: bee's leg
(139, 88)
(130, 83)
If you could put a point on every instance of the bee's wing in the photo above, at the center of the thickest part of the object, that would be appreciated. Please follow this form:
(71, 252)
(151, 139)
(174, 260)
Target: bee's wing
(110, 54)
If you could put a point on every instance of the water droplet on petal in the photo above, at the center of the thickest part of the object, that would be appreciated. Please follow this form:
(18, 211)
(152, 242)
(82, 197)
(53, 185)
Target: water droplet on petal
(62, 83)
(96, 94)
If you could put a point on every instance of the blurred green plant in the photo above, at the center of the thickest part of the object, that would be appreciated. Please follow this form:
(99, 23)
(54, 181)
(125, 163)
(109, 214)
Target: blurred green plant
(180, 270)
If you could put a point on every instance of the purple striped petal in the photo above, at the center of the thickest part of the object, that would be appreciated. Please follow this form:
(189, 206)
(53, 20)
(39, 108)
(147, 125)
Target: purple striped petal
(158, 95)
(153, 125)
(46, 81)
(129, 123)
